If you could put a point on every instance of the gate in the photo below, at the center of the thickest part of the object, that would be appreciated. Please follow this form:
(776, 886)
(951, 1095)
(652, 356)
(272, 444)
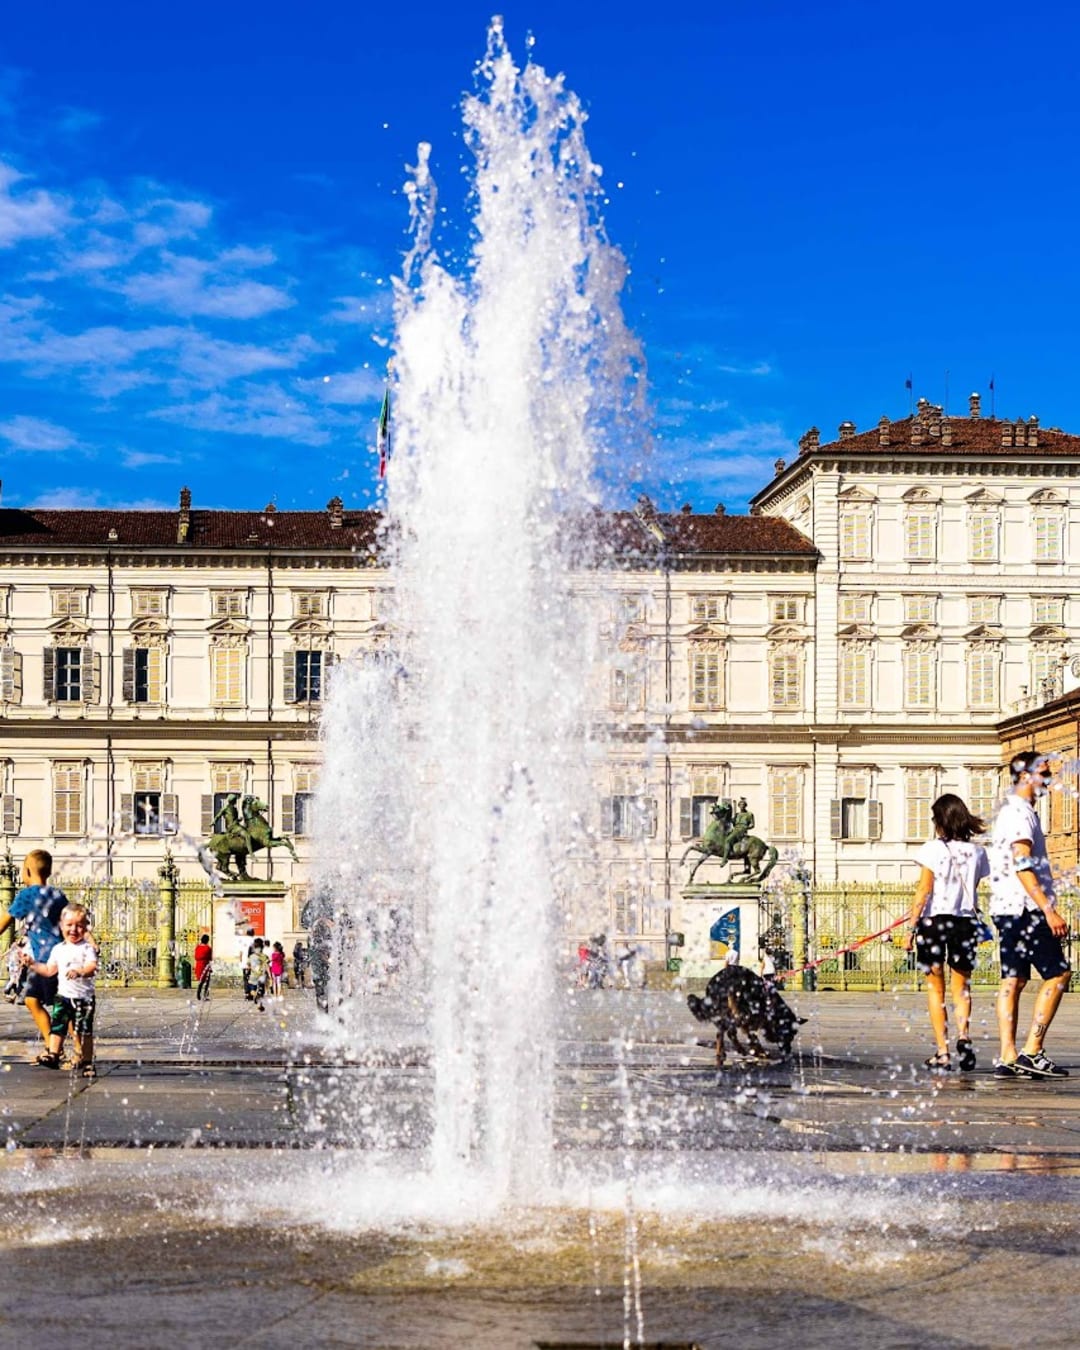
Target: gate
(126, 915)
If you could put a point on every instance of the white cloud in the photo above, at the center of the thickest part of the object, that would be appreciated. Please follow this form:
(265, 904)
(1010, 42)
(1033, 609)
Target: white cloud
(745, 368)
(142, 459)
(27, 214)
(258, 410)
(34, 433)
(729, 465)
(194, 287)
(349, 387)
(84, 499)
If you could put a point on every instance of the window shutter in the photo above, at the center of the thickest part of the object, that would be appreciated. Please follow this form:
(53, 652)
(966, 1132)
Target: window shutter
(873, 819)
(11, 811)
(288, 813)
(288, 687)
(686, 817)
(127, 813)
(649, 816)
(607, 817)
(87, 674)
(127, 682)
(49, 681)
(16, 675)
(206, 814)
(170, 813)
(836, 819)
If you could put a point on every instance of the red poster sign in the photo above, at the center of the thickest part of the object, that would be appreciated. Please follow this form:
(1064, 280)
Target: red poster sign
(252, 915)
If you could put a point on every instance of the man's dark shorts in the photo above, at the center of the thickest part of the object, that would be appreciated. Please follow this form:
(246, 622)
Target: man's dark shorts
(41, 987)
(1026, 941)
(77, 1013)
(946, 938)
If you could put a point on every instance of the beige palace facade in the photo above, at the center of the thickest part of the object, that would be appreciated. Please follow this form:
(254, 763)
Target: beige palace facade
(838, 657)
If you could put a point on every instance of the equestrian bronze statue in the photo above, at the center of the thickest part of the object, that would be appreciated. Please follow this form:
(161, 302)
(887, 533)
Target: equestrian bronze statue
(728, 839)
(242, 832)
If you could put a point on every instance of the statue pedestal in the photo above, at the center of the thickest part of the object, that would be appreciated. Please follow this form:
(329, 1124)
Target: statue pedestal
(248, 904)
(713, 918)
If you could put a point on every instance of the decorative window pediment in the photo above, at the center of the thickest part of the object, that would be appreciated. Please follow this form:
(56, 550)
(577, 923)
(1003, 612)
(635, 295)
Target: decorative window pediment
(229, 628)
(1047, 632)
(919, 632)
(856, 632)
(309, 631)
(149, 629)
(786, 633)
(706, 630)
(852, 495)
(985, 632)
(1046, 497)
(65, 630)
(921, 495)
(983, 497)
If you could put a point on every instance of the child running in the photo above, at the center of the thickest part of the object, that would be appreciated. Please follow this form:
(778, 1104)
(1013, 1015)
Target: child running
(944, 923)
(73, 962)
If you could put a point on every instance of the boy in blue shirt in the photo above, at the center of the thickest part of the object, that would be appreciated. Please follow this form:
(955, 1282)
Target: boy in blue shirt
(42, 905)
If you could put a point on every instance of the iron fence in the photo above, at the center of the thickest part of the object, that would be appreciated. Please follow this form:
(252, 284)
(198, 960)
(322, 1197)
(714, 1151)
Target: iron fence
(126, 915)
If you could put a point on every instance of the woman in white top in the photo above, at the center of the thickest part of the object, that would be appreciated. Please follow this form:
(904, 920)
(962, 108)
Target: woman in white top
(944, 923)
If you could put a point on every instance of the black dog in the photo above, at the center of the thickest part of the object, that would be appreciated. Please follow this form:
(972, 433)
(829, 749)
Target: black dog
(738, 1000)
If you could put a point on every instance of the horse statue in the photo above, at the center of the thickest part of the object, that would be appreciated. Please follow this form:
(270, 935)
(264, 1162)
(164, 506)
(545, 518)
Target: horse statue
(242, 833)
(727, 838)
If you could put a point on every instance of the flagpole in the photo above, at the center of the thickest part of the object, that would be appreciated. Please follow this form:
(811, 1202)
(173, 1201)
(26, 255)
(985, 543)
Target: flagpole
(993, 399)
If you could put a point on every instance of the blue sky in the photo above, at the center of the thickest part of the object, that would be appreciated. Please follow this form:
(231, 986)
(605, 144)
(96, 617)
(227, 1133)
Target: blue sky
(200, 210)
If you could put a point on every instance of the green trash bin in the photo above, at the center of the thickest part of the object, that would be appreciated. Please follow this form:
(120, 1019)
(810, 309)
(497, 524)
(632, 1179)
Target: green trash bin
(183, 973)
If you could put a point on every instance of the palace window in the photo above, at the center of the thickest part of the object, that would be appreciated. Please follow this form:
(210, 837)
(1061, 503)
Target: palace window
(68, 602)
(920, 671)
(983, 536)
(920, 530)
(855, 675)
(984, 608)
(706, 678)
(147, 604)
(785, 679)
(227, 661)
(309, 604)
(228, 604)
(982, 677)
(630, 609)
(785, 608)
(148, 810)
(920, 608)
(298, 807)
(855, 534)
(627, 813)
(143, 669)
(707, 608)
(628, 685)
(855, 608)
(785, 803)
(707, 786)
(70, 674)
(1048, 609)
(1047, 530)
(984, 792)
(920, 791)
(226, 780)
(304, 672)
(854, 814)
(1045, 665)
(69, 807)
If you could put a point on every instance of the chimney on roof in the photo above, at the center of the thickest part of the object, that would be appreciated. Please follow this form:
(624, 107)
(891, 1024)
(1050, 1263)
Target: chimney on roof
(883, 431)
(721, 509)
(918, 427)
(809, 441)
(946, 431)
(1033, 432)
(935, 412)
(847, 430)
(1006, 435)
(779, 466)
(975, 405)
(687, 509)
(269, 509)
(336, 507)
(183, 522)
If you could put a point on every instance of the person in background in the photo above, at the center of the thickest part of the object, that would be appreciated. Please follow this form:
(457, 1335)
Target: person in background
(246, 944)
(944, 923)
(299, 964)
(17, 970)
(1029, 926)
(41, 905)
(73, 964)
(277, 968)
(258, 966)
(204, 954)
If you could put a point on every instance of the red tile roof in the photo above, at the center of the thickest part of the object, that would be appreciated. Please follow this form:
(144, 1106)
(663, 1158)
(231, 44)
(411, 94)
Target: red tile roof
(621, 532)
(970, 436)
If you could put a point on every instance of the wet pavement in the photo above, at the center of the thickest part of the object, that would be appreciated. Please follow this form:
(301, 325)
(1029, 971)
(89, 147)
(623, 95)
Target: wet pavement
(212, 1167)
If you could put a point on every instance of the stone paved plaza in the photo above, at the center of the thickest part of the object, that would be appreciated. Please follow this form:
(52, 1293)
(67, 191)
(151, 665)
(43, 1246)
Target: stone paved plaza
(845, 1193)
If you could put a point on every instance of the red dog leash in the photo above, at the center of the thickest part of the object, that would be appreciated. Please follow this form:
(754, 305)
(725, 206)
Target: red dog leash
(812, 965)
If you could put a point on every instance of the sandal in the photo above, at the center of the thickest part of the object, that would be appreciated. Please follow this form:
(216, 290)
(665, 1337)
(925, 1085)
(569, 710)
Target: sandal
(939, 1061)
(966, 1051)
(47, 1061)
(87, 1071)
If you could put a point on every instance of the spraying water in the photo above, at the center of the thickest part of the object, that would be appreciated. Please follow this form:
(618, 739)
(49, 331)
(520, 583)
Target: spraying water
(458, 759)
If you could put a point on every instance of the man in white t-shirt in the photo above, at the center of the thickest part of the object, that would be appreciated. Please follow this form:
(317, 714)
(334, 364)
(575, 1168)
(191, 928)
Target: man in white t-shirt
(1029, 926)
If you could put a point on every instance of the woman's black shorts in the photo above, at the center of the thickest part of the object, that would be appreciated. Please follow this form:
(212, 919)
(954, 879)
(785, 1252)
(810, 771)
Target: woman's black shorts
(946, 938)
